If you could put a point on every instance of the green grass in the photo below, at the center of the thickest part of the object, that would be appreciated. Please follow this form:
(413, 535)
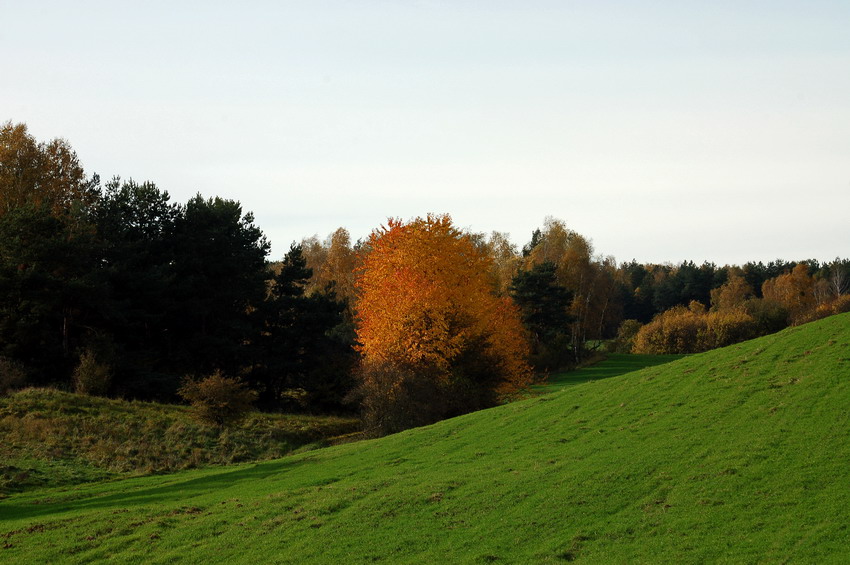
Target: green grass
(51, 438)
(738, 455)
(613, 365)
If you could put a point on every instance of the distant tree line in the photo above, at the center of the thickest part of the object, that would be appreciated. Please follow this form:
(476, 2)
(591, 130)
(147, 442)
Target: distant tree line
(112, 288)
(736, 310)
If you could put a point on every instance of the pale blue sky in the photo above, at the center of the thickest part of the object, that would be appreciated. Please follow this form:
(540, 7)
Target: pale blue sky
(663, 131)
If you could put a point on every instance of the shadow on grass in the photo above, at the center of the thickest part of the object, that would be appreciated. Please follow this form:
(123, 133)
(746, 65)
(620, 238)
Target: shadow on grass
(167, 492)
(180, 490)
(614, 365)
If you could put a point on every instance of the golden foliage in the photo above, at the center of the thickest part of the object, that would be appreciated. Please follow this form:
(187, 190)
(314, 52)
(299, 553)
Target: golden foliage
(425, 300)
(505, 261)
(333, 262)
(733, 294)
(794, 291)
(693, 330)
(592, 282)
(837, 305)
(39, 173)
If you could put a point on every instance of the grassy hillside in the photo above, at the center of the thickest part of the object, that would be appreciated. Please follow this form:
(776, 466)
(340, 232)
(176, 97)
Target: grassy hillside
(736, 455)
(49, 438)
(614, 364)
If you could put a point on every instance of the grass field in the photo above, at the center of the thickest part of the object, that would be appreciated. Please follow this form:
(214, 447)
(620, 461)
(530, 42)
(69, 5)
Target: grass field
(738, 455)
(614, 365)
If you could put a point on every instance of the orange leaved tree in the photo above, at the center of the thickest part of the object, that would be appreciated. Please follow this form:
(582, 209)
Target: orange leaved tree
(434, 338)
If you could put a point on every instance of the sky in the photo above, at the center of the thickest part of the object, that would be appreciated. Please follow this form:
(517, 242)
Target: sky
(663, 131)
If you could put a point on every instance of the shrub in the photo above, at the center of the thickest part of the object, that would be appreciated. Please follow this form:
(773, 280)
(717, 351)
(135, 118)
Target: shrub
(554, 353)
(836, 306)
(693, 330)
(673, 331)
(725, 328)
(770, 316)
(12, 376)
(92, 377)
(841, 304)
(624, 341)
(217, 399)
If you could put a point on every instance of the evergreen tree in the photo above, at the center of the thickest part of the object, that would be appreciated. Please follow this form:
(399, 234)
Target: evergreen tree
(49, 289)
(298, 350)
(135, 226)
(544, 307)
(220, 276)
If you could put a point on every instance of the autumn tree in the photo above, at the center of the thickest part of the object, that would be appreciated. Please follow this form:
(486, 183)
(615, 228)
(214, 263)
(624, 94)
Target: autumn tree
(315, 252)
(795, 291)
(839, 277)
(595, 308)
(506, 261)
(428, 321)
(733, 294)
(333, 262)
(49, 285)
(37, 174)
(338, 268)
(607, 299)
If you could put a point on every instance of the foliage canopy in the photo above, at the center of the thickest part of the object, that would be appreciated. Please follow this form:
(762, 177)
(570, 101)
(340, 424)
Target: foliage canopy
(426, 304)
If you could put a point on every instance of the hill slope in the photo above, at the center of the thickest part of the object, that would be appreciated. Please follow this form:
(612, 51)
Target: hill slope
(740, 455)
(51, 438)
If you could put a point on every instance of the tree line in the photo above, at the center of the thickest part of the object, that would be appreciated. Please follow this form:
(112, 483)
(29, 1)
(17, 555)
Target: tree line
(112, 288)
(116, 288)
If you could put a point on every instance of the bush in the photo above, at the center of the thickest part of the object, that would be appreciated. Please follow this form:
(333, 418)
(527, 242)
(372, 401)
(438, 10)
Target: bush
(770, 316)
(218, 400)
(841, 304)
(12, 376)
(727, 327)
(624, 341)
(554, 353)
(91, 376)
(673, 331)
(693, 330)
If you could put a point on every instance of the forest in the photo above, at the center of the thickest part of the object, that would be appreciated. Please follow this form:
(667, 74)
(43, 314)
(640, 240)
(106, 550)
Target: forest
(110, 288)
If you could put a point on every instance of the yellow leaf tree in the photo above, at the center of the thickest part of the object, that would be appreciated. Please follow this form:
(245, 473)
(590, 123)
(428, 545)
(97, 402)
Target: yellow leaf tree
(428, 321)
(39, 174)
(592, 282)
(732, 295)
(794, 291)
